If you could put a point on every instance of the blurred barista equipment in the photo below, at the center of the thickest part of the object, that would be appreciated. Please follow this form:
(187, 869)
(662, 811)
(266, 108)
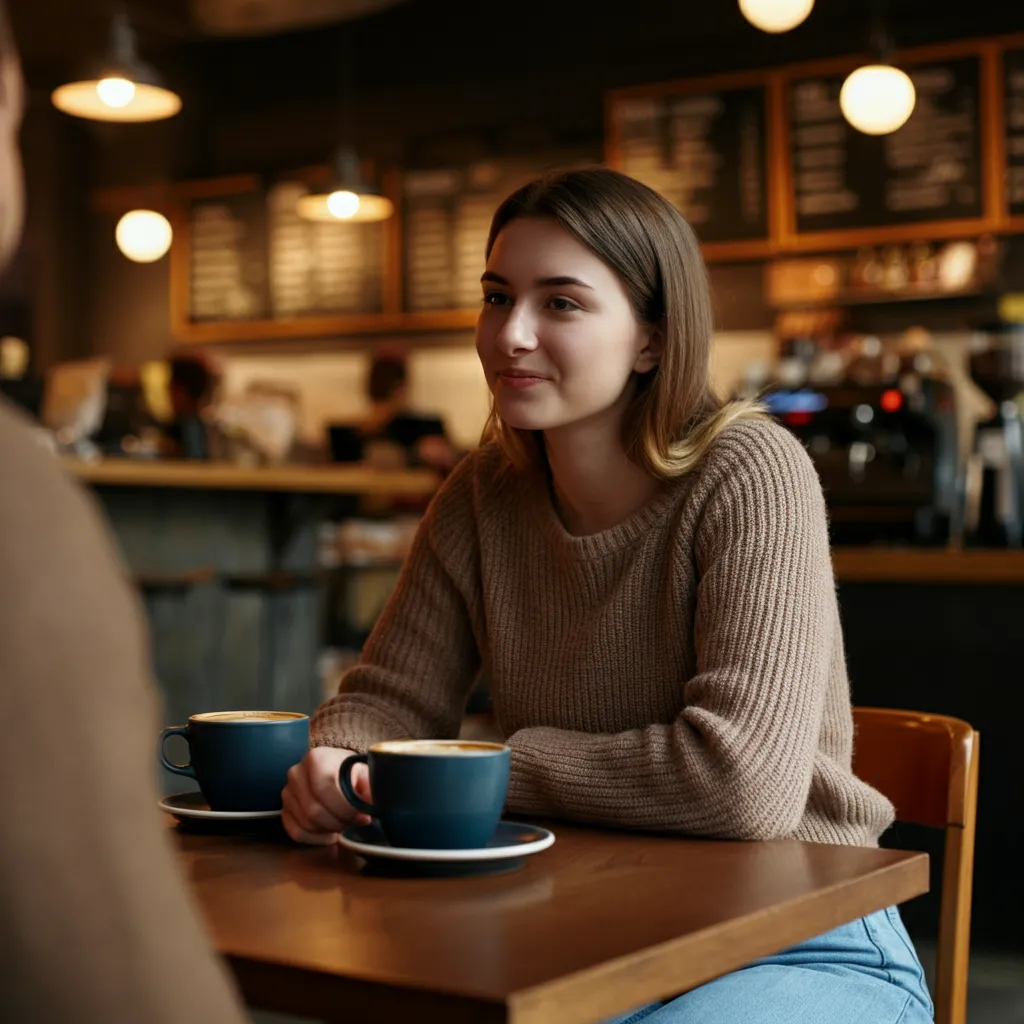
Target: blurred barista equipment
(994, 476)
(878, 419)
(883, 417)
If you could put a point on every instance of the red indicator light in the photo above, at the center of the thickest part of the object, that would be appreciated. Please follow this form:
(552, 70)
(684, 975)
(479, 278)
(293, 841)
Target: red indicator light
(891, 400)
(798, 419)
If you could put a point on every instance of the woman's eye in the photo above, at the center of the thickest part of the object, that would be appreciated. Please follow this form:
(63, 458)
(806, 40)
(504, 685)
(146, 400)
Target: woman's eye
(496, 299)
(560, 305)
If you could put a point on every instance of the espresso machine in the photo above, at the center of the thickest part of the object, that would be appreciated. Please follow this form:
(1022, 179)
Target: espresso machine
(994, 478)
(882, 436)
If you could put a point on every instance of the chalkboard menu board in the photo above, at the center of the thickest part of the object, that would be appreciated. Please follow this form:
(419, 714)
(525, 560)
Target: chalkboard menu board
(321, 267)
(251, 257)
(705, 152)
(1013, 65)
(446, 217)
(927, 170)
(228, 258)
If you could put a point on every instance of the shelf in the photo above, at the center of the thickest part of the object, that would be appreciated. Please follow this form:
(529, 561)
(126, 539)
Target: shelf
(881, 298)
(225, 476)
(347, 325)
(928, 565)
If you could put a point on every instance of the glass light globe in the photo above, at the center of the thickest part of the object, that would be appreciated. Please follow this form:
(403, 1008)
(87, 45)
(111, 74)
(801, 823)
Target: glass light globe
(775, 15)
(143, 235)
(877, 98)
(116, 92)
(343, 204)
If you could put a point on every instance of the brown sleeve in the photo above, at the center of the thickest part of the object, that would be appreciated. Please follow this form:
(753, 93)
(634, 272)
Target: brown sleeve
(422, 657)
(95, 921)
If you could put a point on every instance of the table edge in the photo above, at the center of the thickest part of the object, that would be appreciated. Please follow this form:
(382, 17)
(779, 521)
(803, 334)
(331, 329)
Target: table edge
(567, 997)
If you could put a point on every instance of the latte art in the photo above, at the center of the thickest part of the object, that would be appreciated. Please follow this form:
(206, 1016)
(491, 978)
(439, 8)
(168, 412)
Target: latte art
(248, 716)
(437, 748)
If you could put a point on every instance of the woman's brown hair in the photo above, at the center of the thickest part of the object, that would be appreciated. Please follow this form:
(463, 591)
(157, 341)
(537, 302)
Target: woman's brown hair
(674, 415)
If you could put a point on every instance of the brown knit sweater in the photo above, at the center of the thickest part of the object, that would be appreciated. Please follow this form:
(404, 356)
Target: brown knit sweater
(681, 671)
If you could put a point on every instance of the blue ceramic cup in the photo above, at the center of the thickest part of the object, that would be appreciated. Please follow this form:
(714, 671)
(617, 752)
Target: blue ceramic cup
(241, 758)
(433, 794)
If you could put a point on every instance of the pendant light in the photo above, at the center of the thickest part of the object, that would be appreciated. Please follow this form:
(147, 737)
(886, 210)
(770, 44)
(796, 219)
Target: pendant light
(348, 197)
(121, 88)
(878, 97)
(775, 15)
(144, 236)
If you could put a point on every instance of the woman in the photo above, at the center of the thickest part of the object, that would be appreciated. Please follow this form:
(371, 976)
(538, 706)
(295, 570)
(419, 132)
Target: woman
(644, 575)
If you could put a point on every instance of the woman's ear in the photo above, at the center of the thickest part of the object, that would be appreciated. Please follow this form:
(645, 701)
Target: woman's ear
(650, 355)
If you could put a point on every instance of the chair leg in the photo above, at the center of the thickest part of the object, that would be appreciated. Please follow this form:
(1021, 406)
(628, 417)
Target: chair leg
(954, 946)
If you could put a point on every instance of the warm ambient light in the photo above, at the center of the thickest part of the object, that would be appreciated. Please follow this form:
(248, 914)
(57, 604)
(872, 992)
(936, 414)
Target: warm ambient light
(344, 205)
(104, 100)
(877, 98)
(121, 87)
(116, 92)
(143, 235)
(775, 15)
(349, 197)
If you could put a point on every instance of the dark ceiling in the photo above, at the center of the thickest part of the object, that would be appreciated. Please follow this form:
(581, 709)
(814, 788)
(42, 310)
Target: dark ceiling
(438, 37)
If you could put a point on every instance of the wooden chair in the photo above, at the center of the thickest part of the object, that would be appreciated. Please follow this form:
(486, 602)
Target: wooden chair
(927, 765)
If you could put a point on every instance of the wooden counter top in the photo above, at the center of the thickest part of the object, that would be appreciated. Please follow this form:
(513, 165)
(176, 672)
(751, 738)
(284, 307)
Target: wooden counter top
(927, 565)
(225, 476)
(852, 564)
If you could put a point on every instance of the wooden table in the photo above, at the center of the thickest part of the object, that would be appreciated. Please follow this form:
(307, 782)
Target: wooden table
(598, 924)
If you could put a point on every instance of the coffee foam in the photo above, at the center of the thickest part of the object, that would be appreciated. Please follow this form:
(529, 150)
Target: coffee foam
(438, 748)
(248, 716)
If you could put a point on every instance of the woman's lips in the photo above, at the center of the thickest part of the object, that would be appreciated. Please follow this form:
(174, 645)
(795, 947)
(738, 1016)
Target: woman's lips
(518, 381)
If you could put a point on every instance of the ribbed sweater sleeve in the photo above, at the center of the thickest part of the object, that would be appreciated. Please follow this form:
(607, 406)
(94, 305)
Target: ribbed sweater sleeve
(737, 762)
(421, 658)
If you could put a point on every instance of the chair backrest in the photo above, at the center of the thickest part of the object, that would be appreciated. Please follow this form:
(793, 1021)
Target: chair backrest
(927, 765)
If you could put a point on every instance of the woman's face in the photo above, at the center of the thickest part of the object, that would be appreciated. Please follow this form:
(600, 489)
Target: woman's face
(557, 337)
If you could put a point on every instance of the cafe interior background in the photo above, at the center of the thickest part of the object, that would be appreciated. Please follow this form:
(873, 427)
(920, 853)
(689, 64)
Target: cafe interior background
(869, 286)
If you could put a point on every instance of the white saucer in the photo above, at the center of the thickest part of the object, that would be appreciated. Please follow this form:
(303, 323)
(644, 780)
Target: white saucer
(192, 805)
(511, 841)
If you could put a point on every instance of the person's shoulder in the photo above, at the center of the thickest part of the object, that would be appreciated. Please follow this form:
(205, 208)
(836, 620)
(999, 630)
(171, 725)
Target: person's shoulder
(758, 468)
(759, 449)
(479, 475)
(39, 502)
(29, 463)
(58, 560)
(468, 491)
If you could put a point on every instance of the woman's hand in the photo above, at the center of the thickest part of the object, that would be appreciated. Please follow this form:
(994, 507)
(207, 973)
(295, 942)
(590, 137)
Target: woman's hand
(314, 808)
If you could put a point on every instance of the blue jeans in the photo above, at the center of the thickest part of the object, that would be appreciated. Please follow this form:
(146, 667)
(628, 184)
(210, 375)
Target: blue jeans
(865, 972)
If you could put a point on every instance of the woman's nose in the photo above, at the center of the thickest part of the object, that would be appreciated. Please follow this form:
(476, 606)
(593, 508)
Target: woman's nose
(518, 332)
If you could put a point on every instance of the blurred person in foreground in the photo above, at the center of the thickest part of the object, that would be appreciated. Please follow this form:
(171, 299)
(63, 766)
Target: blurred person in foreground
(96, 926)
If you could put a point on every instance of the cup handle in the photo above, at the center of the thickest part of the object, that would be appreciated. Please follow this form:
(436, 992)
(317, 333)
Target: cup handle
(178, 769)
(345, 782)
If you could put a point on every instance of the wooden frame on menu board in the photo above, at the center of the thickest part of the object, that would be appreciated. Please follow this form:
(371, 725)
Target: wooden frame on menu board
(744, 249)
(783, 234)
(391, 319)
(1014, 222)
(991, 179)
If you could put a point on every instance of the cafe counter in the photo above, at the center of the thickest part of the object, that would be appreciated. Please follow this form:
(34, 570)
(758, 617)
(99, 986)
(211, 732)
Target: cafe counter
(227, 561)
(226, 476)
